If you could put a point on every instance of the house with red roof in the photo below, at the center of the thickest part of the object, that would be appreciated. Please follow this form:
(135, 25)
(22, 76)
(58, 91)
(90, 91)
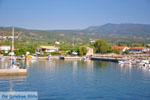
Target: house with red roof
(47, 48)
(121, 48)
(137, 50)
(146, 52)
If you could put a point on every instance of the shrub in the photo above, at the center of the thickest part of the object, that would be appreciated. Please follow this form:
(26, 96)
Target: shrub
(82, 51)
(126, 52)
(55, 53)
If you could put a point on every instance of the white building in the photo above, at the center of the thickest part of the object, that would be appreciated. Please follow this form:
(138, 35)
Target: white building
(74, 53)
(57, 42)
(5, 48)
(47, 48)
(89, 51)
(137, 50)
(92, 41)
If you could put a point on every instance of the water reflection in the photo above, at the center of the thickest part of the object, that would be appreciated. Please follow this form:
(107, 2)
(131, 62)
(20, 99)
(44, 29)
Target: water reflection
(128, 69)
(76, 80)
(4, 64)
(101, 64)
(8, 83)
(75, 63)
(7, 63)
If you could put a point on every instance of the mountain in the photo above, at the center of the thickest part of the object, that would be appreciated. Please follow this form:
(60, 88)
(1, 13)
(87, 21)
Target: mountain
(110, 32)
(122, 29)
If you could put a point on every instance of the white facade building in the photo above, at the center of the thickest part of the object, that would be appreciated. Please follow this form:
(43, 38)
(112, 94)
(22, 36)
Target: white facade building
(57, 42)
(47, 48)
(5, 48)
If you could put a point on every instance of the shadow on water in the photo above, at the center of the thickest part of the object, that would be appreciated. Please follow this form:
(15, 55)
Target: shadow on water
(101, 64)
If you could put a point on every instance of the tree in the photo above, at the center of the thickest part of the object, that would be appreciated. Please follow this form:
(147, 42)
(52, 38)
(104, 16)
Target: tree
(117, 51)
(20, 52)
(100, 46)
(126, 52)
(109, 50)
(82, 51)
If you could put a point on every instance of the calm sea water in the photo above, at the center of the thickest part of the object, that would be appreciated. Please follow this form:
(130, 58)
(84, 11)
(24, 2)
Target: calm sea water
(79, 80)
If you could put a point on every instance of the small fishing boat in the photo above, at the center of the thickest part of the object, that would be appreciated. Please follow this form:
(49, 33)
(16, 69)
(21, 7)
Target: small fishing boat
(83, 58)
(143, 62)
(48, 57)
(125, 61)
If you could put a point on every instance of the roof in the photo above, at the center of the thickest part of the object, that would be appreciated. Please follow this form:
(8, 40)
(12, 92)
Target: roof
(117, 47)
(61, 51)
(48, 47)
(137, 47)
(89, 48)
(146, 51)
(4, 45)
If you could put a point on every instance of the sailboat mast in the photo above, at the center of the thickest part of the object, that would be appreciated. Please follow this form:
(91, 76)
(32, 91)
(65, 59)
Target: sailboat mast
(12, 49)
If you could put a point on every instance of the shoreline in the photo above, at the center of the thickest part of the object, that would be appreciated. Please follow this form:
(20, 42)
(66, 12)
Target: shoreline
(103, 57)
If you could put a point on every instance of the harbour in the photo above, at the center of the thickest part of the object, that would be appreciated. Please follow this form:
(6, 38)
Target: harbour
(74, 50)
(102, 79)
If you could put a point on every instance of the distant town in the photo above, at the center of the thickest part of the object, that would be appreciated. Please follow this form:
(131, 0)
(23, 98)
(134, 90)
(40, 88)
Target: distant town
(83, 50)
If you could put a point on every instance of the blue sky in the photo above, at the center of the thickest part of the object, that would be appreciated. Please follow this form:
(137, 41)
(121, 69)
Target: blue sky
(72, 14)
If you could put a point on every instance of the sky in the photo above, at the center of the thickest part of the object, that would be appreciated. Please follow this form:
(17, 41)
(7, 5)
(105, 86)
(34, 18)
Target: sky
(72, 14)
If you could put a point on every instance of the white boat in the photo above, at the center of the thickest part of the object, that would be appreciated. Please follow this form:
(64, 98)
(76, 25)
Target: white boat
(83, 58)
(48, 57)
(142, 62)
(125, 61)
(14, 66)
(31, 58)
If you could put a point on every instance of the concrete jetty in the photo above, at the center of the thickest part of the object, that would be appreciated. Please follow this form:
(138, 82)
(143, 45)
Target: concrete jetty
(106, 59)
(12, 72)
(70, 58)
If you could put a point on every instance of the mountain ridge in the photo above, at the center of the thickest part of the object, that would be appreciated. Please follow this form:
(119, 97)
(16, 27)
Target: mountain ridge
(122, 29)
(127, 32)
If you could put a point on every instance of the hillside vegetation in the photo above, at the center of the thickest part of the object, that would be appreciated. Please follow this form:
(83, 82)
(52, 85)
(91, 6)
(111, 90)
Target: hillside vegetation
(113, 33)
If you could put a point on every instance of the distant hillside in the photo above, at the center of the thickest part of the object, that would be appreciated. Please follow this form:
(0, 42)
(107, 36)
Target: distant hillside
(122, 29)
(110, 32)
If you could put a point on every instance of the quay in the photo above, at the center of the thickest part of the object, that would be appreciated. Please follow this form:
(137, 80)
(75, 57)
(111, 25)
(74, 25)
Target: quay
(111, 59)
(13, 72)
(70, 58)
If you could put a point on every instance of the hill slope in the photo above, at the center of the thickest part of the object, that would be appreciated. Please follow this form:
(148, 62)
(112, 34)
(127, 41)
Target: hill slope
(123, 29)
(109, 32)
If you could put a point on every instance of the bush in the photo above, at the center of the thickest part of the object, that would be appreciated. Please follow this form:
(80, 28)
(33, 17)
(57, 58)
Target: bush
(55, 53)
(82, 51)
(5, 54)
(43, 55)
(19, 52)
(109, 50)
(126, 52)
(116, 51)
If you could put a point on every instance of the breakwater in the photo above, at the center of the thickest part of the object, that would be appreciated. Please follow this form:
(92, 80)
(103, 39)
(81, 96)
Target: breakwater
(111, 59)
